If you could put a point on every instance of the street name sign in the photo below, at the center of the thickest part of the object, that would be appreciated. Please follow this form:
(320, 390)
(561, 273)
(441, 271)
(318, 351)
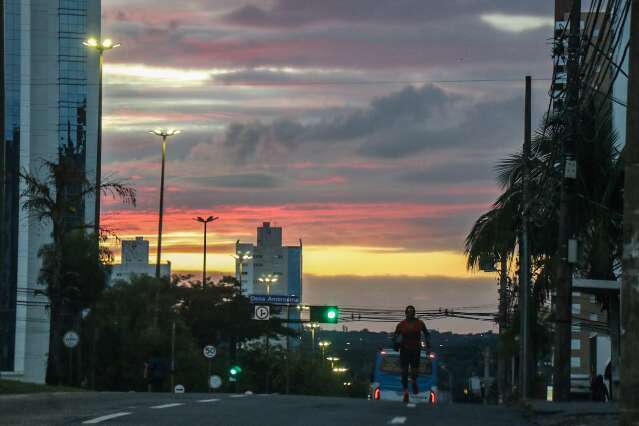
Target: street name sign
(274, 299)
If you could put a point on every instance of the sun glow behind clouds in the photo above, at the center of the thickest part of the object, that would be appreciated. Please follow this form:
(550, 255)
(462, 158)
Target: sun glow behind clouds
(516, 23)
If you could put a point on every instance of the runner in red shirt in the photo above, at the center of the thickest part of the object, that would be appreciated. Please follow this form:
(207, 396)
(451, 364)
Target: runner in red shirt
(408, 337)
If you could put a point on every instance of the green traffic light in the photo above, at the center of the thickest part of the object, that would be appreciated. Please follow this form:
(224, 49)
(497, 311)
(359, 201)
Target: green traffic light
(235, 370)
(325, 314)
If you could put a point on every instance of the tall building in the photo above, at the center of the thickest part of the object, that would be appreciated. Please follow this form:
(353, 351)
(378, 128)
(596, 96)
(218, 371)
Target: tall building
(135, 261)
(272, 269)
(48, 109)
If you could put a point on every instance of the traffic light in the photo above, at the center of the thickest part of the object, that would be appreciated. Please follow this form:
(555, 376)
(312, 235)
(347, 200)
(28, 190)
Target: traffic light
(235, 370)
(325, 314)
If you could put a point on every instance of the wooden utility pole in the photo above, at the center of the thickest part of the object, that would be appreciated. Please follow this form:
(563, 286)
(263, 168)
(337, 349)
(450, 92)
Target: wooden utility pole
(524, 269)
(563, 299)
(630, 284)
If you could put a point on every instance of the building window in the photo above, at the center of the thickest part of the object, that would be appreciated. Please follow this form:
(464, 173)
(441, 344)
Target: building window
(576, 328)
(575, 362)
(593, 299)
(576, 308)
(594, 317)
(575, 344)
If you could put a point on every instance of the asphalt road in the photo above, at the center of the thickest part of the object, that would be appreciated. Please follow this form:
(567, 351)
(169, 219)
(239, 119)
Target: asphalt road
(239, 410)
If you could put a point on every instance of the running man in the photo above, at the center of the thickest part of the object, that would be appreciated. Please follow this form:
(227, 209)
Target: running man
(407, 338)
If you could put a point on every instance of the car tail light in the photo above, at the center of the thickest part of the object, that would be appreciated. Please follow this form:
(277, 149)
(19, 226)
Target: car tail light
(433, 398)
(377, 394)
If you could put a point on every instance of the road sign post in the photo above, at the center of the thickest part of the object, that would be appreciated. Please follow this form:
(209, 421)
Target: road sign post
(71, 340)
(209, 352)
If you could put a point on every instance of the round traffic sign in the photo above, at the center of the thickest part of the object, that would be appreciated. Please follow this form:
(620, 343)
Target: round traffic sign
(209, 351)
(71, 339)
(215, 381)
(262, 312)
(179, 389)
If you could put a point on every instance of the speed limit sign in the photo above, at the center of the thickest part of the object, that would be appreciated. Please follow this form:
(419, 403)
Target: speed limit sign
(262, 312)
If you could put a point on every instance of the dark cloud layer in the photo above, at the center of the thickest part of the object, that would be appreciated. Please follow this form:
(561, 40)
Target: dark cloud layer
(286, 13)
(402, 124)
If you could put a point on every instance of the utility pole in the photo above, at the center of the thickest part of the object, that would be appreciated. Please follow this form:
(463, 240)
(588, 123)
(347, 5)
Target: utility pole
(486, 374)
(630, 263)
(524, 269)
(563, 299)
(503, 307)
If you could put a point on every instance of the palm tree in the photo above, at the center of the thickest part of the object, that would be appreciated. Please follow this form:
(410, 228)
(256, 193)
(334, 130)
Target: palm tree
(597, 219)
(56, 197)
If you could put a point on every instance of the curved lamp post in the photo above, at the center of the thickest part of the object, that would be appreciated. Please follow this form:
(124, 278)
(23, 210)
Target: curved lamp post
(100, 47)
(164, 134)
(205, 222)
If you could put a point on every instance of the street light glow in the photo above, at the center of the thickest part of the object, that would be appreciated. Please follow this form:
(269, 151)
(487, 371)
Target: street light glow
(165, 132)
(106, 44)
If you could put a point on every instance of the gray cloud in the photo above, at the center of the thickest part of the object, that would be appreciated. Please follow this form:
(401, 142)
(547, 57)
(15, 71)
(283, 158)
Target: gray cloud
(410, 121)
(236, 181)
(285, 13)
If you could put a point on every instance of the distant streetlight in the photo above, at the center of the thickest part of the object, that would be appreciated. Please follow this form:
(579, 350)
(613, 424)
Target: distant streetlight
(340, 370)
(333, 360)
(164, 134)
(205, 222)
(100, 47)
(242, 257)
(312, 326)
(268, 280)
(323, 345)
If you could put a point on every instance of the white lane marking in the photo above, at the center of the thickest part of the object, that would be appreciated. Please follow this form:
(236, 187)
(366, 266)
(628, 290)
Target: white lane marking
(411, 405)
(104, 418)
(209, 400)
(397, 421)
(175, 404)
(238, 396)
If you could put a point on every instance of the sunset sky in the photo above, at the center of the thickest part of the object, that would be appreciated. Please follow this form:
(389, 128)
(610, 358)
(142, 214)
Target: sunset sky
(353, 124)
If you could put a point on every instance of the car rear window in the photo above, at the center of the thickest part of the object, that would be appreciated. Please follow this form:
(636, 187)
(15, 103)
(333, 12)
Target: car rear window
(390, 364)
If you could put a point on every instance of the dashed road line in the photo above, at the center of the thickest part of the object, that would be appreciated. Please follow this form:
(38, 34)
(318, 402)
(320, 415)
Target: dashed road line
(105, 418)
(209, 400)
(175, 404)
(238, 396)
(397, 421)
(411, 405)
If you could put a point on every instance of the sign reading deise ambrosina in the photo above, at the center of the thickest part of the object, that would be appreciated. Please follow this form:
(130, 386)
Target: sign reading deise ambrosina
(274, 299)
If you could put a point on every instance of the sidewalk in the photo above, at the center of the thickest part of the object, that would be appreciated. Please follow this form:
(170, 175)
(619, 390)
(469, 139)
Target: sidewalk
(580, 413)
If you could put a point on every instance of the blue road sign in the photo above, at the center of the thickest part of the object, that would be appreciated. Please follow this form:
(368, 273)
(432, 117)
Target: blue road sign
(274, 299)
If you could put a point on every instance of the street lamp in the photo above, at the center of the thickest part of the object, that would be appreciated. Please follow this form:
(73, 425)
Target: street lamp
(268, 280)
(101, 47)
(205, 222)
(164, 134)
(312, 326)
(323, 345)
(333, 360)
(242, 257)
(340, 370)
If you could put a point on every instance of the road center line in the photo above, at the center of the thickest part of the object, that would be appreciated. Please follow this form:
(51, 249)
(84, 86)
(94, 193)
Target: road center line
(397, 421)
(411, 405)
(209, 400)
(175, 404)
(238, 396)
(104, 418)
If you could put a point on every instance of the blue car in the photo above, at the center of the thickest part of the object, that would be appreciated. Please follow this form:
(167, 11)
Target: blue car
(386, 381)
